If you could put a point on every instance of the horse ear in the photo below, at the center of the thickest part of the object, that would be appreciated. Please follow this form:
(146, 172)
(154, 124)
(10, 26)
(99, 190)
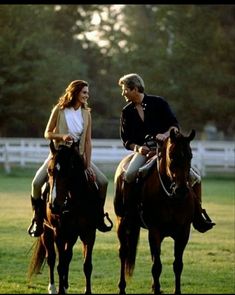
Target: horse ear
(192, 135)
(52, 147)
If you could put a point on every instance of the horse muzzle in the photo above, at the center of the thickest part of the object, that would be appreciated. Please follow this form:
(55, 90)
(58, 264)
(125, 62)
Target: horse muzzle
(179, 192)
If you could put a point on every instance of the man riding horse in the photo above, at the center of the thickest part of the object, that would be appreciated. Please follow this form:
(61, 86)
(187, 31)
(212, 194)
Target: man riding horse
(151, 115)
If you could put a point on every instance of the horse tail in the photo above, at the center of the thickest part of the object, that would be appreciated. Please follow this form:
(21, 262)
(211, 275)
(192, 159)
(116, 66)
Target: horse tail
(37, 258)
(128, 235)
(132, 239)
(118, 199)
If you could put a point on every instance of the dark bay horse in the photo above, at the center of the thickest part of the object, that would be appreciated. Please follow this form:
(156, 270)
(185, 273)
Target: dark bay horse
(73, 215)
(165, 207)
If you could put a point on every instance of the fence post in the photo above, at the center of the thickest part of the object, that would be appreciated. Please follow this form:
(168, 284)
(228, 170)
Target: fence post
(201, 165)
(7, 166)
(22, 153)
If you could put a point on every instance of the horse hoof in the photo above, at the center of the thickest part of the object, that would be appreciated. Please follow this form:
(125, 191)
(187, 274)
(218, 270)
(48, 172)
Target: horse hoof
(52, 289)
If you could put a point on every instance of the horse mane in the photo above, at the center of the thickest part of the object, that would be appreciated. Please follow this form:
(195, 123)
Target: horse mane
(180, 143)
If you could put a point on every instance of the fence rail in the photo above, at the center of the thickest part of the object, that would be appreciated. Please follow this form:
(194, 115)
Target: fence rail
(208, 156)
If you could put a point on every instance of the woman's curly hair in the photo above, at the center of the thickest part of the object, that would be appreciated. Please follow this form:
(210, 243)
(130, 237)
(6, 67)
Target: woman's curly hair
(69, 97)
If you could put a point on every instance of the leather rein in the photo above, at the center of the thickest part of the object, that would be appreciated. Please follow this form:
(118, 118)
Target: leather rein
(153, 144)
(169, 194)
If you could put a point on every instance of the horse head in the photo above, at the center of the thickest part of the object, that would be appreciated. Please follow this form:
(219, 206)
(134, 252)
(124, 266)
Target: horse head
(65, 173)
(178, 156)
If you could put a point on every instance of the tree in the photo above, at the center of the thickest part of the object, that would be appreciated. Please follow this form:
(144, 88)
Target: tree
(183, 52)
(36, 66)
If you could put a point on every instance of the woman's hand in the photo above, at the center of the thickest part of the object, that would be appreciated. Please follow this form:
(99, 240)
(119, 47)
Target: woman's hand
(67, 137)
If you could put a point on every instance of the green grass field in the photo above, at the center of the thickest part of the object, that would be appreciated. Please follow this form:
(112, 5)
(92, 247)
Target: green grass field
(209, 259)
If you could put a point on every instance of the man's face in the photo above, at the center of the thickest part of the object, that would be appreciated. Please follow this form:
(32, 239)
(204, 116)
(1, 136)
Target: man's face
(127, 93)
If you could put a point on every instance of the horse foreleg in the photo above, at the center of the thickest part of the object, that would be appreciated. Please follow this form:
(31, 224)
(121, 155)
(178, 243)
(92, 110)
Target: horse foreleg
(52, 289)
(48, 242)
(155, 248)
(122, 281)
(62, 267)
(68, 255)
(121, 231)
(51, 263)
(179, 247)
(88, 245)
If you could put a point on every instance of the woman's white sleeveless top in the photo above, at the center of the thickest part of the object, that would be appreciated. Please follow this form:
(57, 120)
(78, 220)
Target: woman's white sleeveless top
(74, 121)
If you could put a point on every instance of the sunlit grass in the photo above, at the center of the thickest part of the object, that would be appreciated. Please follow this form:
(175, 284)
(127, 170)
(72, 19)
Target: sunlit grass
(208, 259)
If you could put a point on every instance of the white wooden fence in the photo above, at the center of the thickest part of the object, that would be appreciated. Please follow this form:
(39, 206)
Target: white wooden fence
(208, 156)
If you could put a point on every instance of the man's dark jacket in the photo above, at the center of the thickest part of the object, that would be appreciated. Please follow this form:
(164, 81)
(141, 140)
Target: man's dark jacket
(158, 118)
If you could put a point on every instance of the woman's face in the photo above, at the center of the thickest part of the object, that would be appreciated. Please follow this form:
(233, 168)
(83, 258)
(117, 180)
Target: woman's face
(83, 95)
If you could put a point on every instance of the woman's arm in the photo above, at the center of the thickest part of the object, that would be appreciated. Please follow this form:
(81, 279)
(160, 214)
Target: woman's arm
(51, 125)
(88, 147)
(87, 152)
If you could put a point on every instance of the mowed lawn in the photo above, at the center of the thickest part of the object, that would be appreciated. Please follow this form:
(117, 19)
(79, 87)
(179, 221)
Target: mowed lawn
(209, 259)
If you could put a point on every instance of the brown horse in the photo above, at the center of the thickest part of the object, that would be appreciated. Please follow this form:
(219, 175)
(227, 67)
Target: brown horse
(73, 215)
(162, 203)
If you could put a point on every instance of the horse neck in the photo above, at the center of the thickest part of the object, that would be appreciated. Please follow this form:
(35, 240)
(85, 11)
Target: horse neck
(181, 174)
(163, 165)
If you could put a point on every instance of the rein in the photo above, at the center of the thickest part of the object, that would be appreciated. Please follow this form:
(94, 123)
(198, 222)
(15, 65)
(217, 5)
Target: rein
(169, 194)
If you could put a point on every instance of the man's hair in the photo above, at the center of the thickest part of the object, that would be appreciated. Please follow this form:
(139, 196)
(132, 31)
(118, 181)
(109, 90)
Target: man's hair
(131, 81)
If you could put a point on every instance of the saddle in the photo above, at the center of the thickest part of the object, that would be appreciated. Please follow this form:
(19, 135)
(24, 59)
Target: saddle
(129, 201)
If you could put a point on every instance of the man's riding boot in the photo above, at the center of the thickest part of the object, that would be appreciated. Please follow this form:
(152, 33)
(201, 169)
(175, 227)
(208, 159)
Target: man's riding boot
(201, 221)
(36, 227)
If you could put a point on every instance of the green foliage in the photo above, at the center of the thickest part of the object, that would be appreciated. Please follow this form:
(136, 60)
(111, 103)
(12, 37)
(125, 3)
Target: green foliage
(184, 53)
(35, 68)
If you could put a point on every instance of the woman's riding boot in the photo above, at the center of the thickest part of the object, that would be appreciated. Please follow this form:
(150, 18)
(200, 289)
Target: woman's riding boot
(36, 227)
(201, 221)
(101, 226)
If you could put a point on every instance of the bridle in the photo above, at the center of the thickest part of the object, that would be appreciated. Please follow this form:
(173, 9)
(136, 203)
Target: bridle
(152, 143)
(169, 194)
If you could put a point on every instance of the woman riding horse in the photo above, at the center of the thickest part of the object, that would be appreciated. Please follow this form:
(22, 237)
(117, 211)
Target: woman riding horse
(70, 121)
(76, 215)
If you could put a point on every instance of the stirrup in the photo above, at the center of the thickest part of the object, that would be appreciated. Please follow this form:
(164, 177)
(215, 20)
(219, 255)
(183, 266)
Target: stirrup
(109, 219)
(103, 227)
(206, 216)
(205, 224)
